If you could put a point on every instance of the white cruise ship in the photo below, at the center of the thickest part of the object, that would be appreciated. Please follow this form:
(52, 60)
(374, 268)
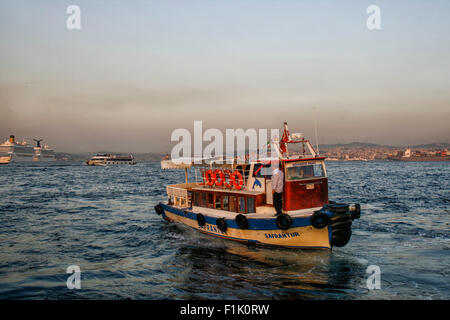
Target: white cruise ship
(109, 159)
(15, 151)
(43, 153)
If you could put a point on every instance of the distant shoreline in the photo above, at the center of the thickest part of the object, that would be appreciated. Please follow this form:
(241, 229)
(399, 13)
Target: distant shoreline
(347, 147)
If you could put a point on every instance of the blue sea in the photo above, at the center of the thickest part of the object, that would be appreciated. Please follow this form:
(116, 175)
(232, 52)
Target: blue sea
(102, 219)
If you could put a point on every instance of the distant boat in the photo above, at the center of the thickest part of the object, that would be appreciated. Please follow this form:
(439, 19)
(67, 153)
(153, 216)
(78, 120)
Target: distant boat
(24, 152)
(110, 159)
(5, 159)
(410, 155)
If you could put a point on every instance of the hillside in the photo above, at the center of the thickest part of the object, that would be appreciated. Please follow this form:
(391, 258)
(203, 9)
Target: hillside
(366, 145)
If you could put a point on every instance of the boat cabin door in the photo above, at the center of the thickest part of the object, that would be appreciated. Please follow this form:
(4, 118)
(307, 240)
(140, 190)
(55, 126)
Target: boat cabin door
(269, 196)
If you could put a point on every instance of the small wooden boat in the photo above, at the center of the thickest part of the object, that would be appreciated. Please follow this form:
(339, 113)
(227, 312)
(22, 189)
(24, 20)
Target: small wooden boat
(234, 200)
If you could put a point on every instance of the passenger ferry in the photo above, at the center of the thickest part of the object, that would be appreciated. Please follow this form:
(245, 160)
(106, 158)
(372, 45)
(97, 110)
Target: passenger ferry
(109, 159)
(234, 201)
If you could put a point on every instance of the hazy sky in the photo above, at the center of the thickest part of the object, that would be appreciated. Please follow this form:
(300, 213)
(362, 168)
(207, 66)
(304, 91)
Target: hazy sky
(137, 70)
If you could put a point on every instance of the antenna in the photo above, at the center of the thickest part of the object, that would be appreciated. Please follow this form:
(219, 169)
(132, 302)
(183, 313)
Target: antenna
(315, 130)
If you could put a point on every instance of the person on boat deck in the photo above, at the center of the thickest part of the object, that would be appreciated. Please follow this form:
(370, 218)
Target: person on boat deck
(277, 188)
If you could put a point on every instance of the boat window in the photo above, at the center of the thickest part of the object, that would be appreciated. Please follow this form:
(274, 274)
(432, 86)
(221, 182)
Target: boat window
(210, 200)
(298, 171)
(247, 171)
(318, 171)
(244, 170)
(250, 205)
(225, 202)
(241, 204)
(203, 201)
(196, 197)
(233, 204)
(265, 171)
(218, 202)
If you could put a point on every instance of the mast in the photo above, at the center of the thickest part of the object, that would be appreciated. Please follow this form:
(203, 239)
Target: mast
(315, 130)
(295, 138)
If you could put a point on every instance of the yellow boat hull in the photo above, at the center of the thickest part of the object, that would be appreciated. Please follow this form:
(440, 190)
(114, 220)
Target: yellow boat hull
(261, 231)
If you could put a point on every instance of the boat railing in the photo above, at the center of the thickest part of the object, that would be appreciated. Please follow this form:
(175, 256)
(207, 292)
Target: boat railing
(181, 194)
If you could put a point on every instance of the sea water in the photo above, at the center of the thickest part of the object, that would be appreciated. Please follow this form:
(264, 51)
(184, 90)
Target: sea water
(102, 219)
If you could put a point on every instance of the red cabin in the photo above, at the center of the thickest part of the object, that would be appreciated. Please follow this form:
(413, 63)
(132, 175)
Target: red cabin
(305, 184)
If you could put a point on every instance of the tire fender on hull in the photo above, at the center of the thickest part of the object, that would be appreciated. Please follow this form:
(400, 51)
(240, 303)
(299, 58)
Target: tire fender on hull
(319, 219)
(241, 221)
(200, 220)
(221, 224)
(341, 224)
(158, 209)
(284, 221)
